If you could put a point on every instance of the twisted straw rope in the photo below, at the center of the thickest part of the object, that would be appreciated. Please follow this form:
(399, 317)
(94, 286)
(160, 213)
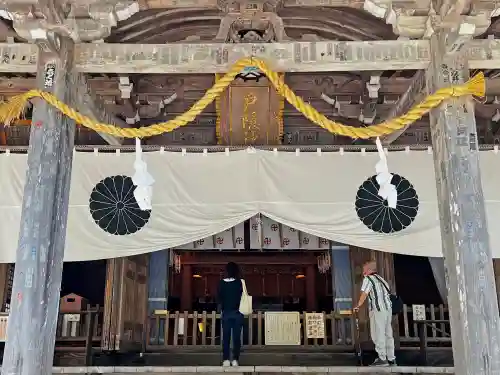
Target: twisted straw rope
(14, 109)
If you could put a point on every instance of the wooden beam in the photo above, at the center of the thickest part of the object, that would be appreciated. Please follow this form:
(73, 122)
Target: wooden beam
(189, 58)
(218, 57)
(413, 95)
(42, 235)
(90, 105)
(474, 316)
(199, 258)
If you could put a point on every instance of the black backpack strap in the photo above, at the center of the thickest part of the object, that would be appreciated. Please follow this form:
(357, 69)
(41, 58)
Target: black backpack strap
(383, 283)
(375, 302)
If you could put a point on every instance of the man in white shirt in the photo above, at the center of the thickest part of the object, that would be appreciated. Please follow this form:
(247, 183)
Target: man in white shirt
(376, 290)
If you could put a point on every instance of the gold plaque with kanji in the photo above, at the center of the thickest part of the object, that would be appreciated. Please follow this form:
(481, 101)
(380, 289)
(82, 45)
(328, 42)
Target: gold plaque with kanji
(250, 113)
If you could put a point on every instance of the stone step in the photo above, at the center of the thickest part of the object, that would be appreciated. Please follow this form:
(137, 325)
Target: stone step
(262, 370)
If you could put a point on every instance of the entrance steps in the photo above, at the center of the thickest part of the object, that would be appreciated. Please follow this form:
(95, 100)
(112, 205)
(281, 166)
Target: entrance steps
(246, 370)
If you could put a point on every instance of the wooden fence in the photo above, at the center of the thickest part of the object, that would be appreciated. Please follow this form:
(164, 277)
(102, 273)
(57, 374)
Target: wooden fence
(436, 332)
(204, 330)
(72, 328)
(181, 329)
(79, 330)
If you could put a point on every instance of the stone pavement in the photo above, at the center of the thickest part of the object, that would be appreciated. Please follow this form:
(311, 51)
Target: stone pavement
(263, 370)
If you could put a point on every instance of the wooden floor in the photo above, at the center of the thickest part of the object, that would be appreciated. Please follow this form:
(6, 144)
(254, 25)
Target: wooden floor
(253, 369)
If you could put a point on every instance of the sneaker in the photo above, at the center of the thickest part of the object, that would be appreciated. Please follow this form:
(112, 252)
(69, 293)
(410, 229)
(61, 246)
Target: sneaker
(392, 363)
(380, 363)
(226, 363)
(234, 363)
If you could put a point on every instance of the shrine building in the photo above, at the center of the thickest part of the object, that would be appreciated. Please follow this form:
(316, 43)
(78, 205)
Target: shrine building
(147, 143)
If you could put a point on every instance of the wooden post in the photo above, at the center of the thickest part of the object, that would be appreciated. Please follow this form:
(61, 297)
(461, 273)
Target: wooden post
(186, 292)
(39, 261)
(496, 270)
(125, 303)
(4, 280)
(360, 256)
(311, 294)
(466, 248)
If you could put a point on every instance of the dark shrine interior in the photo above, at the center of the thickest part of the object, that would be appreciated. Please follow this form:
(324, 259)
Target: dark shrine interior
(87, 279)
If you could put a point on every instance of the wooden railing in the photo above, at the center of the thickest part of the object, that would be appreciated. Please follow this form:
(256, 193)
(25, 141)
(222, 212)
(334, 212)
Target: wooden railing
(80, 331)
(181, 329)
(435, 332)
(79, 326)
(204, 330)
(75, 333)
(71, 326)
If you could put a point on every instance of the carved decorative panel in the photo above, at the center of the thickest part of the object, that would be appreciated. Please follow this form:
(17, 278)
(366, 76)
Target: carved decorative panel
(250, 113)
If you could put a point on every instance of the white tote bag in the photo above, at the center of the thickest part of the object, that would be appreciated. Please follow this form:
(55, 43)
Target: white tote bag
(246, 300)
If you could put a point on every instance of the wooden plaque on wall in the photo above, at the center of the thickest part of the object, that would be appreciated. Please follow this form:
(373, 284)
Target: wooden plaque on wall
(282, 328)
(250, 113)
(315, 325)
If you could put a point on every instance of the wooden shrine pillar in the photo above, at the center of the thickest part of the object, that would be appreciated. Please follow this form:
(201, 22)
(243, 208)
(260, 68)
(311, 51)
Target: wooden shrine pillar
(472, 301)
(42, 235)
(311, 295)
(186, 287)
(125, 304)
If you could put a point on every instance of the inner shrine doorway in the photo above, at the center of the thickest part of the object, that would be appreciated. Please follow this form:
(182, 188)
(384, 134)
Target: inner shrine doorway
(277, 281)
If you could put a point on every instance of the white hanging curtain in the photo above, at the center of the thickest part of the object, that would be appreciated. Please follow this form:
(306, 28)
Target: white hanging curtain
(439, 271)
(198, 195)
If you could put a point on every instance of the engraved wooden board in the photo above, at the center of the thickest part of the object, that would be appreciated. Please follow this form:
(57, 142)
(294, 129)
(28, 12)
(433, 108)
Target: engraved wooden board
(282, 328)
(250, 113)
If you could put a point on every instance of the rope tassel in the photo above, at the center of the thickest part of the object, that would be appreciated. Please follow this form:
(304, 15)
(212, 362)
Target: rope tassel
(14, 108)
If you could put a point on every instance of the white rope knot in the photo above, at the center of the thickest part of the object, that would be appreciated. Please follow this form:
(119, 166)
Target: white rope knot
(143, 181)
(386, 190)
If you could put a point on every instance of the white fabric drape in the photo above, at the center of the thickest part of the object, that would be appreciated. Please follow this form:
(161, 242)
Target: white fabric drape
(439, 272)
(199, 195)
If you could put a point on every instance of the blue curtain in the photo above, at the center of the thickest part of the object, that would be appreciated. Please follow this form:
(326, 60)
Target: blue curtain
(342, 278)
(158, 289)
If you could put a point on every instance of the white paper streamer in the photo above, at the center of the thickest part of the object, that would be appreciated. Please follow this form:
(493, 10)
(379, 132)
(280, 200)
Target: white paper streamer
(387, 190)
(143, 181)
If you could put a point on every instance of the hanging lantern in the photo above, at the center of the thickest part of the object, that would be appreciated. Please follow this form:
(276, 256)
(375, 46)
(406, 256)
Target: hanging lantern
(328, 260)
(324, 262)
(177, 263)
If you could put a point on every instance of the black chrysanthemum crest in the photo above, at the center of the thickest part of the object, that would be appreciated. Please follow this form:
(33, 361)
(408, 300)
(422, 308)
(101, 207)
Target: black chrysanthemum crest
(114, 208)
(374, 212)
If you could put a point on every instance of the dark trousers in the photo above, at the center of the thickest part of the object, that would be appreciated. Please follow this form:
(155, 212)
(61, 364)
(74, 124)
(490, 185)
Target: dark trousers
(232, 323)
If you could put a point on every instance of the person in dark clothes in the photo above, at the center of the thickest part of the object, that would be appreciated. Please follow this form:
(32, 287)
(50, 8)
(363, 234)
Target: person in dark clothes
(229, 296)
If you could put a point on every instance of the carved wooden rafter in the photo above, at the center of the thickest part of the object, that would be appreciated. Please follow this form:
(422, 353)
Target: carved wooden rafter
(173, 25)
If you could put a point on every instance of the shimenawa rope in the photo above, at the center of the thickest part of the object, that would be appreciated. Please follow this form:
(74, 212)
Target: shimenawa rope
(14, 108)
